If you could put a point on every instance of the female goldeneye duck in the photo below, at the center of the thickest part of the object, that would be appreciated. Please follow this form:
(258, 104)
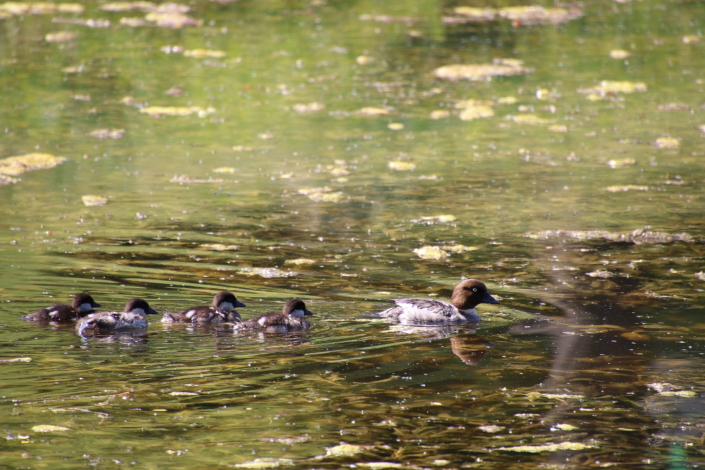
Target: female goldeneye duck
(292, 317)
(466, 296)
(133, 317)
(222, 310)
(82, 305)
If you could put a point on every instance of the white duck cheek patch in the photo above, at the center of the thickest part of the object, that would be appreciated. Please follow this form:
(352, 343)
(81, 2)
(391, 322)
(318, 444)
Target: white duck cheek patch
(138, 311)
(227, 306)
(85, 308)
(297, 314)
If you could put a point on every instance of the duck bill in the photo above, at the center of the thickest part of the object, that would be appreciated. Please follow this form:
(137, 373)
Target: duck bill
(96, 304)
(151, 311)
(239, 304)
(488, 299)
(308, 312)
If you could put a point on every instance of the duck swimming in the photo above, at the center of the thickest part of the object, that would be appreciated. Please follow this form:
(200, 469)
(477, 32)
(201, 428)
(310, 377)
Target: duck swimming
(222, 310)
(466, 296)
(292, 317)
(132, 317)
(82, 305)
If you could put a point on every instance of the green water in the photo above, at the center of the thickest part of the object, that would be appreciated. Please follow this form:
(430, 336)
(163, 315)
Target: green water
(619, 310)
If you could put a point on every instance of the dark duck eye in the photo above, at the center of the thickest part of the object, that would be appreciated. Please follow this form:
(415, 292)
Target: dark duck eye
(474, 289)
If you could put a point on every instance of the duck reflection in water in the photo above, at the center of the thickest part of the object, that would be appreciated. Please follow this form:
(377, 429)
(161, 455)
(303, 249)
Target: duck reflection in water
(464, 342)
(121, 337)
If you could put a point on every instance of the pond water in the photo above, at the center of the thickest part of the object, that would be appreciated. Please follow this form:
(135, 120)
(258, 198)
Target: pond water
(312, 149)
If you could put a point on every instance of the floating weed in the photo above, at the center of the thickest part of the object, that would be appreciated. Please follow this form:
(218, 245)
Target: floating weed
(265, 462)
(326, 197)
(431, 252)
(669, 390)
(690, 39)
(173, 20)
(536, 15)
(224, 169)
(480, 72)
(558, 128)
(107, 133)
(610, 87)
(399, 165)
(49, 428)
(442, 219)
(364, 60)
(395, 126)
(182, 179)
(476, 112)
(618, 163)
(476, 14)
(442, 114)
(134, 22)
(40, 8)
(563, 427)
(205, 54)
(548, 447)
(619, 54)
(61, 36)
(219, 247)
(528, 119)
(667, 143)
(5, 180)
(14, 166)
(91, 200)
(16, 359)
(372, 111)
(308, 108)
(157, 111)
(345, 450)
(381, 465)
(128, 6)
(268, 273)
(301, 261)
(491, 428)
(625, 188)
(310, 191)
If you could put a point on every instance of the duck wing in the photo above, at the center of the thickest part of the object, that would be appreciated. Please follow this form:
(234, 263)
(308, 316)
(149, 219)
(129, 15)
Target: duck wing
(423, 310)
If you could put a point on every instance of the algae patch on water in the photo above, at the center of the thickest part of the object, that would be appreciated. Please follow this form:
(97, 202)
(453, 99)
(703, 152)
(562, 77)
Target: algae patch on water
(49, 428)
(17, 165)
(480, 72)
(157, 111)
(92, 200)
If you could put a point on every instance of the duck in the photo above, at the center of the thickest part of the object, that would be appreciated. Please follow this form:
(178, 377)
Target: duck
(466, 296)
(292, 317)
(131, 318)
(82, 305)
(222, 310)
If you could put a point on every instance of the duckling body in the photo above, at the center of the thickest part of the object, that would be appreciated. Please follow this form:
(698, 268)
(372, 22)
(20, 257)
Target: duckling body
(292, 317)
(222, 310)
(131, 318)
(466, 296)
(82, 305)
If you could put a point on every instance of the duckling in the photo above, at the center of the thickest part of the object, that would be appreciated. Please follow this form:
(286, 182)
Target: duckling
(82, 305)
(466, 296)
(292, 317)
(222, 310)
(133, 317)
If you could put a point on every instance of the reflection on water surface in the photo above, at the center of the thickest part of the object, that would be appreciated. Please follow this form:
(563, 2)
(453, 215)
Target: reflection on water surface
(312, 150)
